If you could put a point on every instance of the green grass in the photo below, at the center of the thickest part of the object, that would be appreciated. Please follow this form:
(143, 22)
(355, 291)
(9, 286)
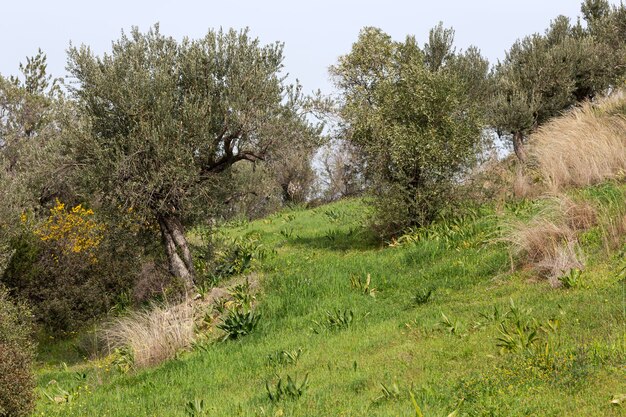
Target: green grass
(392, 341)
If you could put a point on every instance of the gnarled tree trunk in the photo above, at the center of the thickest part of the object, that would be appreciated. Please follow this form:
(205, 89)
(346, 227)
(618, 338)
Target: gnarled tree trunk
(176, 247)
(518, 146)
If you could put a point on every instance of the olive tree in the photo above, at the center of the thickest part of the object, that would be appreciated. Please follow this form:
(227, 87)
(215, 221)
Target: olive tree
(165, 120)
(545, 74)
(410, 112)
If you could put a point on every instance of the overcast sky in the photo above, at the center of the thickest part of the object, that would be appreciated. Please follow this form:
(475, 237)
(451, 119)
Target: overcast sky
(315, 33)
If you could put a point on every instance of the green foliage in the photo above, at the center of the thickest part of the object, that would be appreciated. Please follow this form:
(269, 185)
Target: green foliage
(410, 112)
(307, 277)
(336, 319)
(291, 390)
(17, 380)
(220, 257)
(241, 318)
(391, 393)
(68, 289)
(238, 323)
(165, 120)
(545, 74)
(285, 357)
(451, 326)
(421, 296)
(571, 279)
(195, 408)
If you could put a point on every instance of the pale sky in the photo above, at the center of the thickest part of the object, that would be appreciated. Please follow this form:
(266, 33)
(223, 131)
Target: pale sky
(315, 33)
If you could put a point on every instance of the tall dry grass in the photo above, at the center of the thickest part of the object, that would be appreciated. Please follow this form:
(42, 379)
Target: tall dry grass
(583, 147)
(548, 242)
(153, 335)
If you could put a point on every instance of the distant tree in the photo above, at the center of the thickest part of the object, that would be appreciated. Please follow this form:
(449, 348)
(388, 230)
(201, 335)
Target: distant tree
(410, 113)
(543, 75)
(342, 170)
(164, 121)
(29, 132)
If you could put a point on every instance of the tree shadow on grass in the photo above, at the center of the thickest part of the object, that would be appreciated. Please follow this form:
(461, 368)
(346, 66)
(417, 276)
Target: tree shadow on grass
(340, 240)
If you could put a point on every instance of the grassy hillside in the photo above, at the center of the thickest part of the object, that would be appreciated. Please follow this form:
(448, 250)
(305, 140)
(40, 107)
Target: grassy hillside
(366, 348)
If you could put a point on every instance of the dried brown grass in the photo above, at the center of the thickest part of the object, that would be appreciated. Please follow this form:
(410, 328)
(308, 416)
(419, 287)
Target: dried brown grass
(153, 335)
(583, 147)
(548, 242)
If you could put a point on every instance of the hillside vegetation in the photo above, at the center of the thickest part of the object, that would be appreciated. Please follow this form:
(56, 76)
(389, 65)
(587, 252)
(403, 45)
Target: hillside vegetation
(355, 320)
(184, 232)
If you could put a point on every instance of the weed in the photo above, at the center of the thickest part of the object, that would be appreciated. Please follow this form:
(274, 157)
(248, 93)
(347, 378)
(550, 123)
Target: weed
(238, 322)
(416, 407)
(290, 390)
(195, 408)
(335, 320)
(332, 235)
(284, 357)
(241, 294)
(421, 296)
(363, 286)
(453, 327)
(287, 233)
(571, 279)
(391, 393)
(123, 359)
(334, 216)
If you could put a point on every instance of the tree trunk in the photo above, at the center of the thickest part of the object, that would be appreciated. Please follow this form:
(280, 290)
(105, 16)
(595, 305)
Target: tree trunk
(177, 250)
(518, 146)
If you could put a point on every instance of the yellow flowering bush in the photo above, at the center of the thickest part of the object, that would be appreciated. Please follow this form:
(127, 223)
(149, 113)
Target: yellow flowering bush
(72, 230)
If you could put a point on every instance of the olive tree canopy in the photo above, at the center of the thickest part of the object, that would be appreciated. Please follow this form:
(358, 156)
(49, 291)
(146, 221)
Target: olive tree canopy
(164, 120)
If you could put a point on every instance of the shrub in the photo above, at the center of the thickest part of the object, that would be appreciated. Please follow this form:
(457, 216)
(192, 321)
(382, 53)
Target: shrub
(71, 268)
(17, 381)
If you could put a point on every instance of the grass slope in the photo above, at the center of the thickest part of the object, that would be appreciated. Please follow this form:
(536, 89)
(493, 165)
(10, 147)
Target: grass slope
(392, 342)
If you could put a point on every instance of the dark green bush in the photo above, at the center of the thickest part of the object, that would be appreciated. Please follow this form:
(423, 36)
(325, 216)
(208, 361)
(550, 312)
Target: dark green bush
(67, 290)
(17, 381)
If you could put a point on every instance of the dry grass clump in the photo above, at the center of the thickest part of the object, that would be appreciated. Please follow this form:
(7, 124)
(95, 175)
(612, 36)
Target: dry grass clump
(548, 246)
(578, 215)
(548, 242)
(153, 335)
(583, 147)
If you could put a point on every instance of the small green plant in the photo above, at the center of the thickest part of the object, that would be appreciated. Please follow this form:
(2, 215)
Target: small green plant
(453, 327)
(335, 320)
(291, 390)
(332, 235)
(284, 357)
(195, 408)
(123, 359)
(391, 393)
(238, 322)
(363, 286)
(422, 296)
(416, 407)
(571, 279)
(242, 294)
(517, 336)
(334, 215)
(287, 233)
